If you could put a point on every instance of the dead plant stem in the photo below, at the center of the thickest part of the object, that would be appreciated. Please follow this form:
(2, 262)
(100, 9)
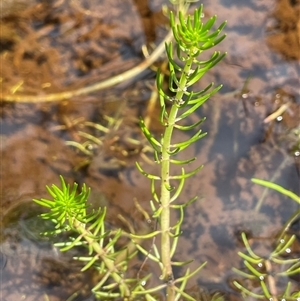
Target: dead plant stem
(112, 81)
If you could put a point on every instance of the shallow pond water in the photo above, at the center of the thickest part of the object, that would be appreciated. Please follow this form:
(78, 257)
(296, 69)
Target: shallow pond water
(259, 75)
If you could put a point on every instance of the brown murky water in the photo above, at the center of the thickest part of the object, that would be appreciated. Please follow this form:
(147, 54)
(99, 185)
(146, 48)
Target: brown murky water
(54, 46)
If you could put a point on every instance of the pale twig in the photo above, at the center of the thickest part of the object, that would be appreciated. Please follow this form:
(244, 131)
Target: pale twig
(277, 113)
(112, 81)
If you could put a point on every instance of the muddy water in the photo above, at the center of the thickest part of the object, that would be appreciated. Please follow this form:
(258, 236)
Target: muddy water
(258, 75)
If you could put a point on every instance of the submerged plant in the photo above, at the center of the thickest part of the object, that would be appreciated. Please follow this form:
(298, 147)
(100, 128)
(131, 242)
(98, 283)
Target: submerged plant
(267, 270)
(70, 211)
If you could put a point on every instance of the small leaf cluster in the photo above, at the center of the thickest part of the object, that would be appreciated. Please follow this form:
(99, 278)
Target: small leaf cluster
(193, 36)
(65, 205)
(69, 212)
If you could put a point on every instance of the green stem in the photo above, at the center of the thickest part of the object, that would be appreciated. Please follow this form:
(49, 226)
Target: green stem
(109, 263)
(165, 195)
(167, 273)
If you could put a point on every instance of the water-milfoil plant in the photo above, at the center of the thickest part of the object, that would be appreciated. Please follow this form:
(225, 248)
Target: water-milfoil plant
(70, 211)
(192, 37)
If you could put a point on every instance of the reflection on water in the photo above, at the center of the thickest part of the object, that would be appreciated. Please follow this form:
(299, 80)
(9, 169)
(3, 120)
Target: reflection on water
(32, 269)
(2, 261)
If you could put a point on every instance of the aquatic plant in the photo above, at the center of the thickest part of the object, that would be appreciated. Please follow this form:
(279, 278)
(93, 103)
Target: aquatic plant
(70, 211)
(264, 272)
